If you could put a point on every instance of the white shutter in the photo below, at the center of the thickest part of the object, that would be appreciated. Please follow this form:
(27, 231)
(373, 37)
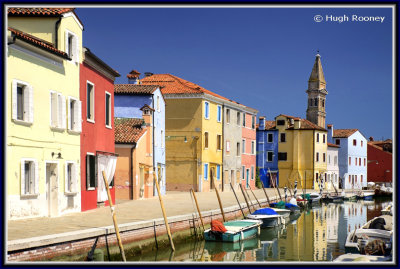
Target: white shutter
(54, 107)
(69, 113)
(66, 177)
(78, 116)
(22, 176)
(14, 100)
(26, 96)
(75, 48)
(36, 178)
(63, 112)
(228, 146)
(30, 113)
(66, 42)
(75, 177)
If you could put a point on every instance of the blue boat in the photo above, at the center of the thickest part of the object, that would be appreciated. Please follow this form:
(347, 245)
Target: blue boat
(268, 216)
(293, 208)
(237, 230)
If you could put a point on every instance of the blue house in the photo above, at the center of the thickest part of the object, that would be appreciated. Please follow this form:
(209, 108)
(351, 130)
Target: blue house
(352, 157)
(267, 152)
(128, 100)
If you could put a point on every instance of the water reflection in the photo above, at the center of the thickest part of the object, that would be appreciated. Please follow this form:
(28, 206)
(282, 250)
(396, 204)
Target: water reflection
(317, 234)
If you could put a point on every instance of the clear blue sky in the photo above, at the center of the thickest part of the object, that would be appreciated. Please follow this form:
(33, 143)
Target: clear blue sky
(260, 57)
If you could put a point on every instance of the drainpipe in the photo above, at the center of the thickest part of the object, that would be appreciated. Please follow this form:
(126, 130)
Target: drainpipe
(131, 170)
(222, 146)
(56, 36)
(154, 165)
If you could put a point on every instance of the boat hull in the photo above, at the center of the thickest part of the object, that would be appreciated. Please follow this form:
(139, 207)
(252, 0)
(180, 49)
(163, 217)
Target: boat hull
(245, 232)
(268, 221)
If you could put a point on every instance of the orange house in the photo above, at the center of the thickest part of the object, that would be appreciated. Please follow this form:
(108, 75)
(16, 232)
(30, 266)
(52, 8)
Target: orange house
(133, 144)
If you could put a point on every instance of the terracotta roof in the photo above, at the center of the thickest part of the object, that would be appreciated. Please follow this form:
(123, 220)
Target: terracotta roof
(343, 133)
(148, 107)
(17, 11)
(290, 117)
(135, 89)
(333, 145)
(175, 85)
(133, 74)
(43, 44)
(270, 124)
(304, 124)
(128, 131)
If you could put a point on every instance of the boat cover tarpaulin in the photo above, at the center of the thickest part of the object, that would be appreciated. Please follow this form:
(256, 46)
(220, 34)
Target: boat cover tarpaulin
(217, 226)
(265, 211)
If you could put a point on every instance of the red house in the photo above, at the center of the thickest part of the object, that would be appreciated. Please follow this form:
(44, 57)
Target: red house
(97, 136)
(380, 166)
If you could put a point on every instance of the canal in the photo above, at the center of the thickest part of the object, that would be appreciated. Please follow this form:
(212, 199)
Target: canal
(315, 234)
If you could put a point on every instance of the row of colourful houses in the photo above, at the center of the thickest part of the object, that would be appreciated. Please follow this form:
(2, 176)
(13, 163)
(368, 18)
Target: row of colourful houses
(67, 122)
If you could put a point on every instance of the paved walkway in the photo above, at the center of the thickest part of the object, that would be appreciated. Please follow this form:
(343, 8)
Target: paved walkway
(176, 203)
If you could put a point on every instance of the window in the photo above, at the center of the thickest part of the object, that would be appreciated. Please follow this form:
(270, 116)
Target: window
(219, 113)
(228, 146)
(270, 156)
(355, 161)
(359, 161)
(219, 142)
(71, 46)
(244, 119)
(364, 161)
(253, 122)
(253, 147)
(90, 101)
(155, 140)
(337, 142)
(237, 149)
(206, 110)
(74, 115)
(57, 111)
(158, 103)
(205, 171)
(329, 159)
(243, 168)
(323, 157)
(228, 116)
(218, 171)
(335, 160)
(283, 137)
(22, 102)
(280, 122)
(317, 157)
(206, 140)
(108, 109)
(354, 142)
(361, 180)
(238, 118)
(323, 102)
(349, 160)
(282, 156)
(252, 172)
(29, 177)
(362, 143)
(270, 138)
(317, 138)
(315, 102)
(91, 173)
(71, 177)
(162, 139)
(243, 146)
(311, 101)
(323, 138)
(316, 176)
(355, 177)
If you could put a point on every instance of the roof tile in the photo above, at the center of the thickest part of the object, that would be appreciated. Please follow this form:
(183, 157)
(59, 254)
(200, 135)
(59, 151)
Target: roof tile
(128, 131)
(135, 89)
(17, 11)
(343, 133)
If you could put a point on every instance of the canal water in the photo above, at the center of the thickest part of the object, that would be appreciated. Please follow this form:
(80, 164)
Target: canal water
(316, 234)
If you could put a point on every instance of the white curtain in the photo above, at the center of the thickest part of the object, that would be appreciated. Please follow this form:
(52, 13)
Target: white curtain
(107, 164)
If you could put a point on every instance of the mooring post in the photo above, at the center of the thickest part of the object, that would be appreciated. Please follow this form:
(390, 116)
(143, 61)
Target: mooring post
(266, 195)
(285, 190)
(165, 217)
(295, 189)
(237, 199)
(219, 199)
(198, 209)
(255, 197)
(121, 248)
(251, 202)
(245, 198)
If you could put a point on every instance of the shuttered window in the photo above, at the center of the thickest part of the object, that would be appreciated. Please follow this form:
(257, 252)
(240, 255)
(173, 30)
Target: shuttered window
(90, 101)
(71, 177)
(91, 173)
(74, 115)
(29, 177)
(22, 102)
(108, 109)
(72, 46)
(57, 110)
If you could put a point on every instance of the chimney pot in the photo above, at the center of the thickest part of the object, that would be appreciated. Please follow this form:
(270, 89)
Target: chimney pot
(371, 138)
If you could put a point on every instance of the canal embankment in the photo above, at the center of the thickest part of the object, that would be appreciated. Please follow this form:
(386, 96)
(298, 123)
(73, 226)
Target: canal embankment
(140, 223)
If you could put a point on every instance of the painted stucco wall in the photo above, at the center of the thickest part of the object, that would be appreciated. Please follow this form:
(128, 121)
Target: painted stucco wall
(263, 147)
(379, 165)
(231, 160)
(332, 168)
(320, 166)
(354, 152)
(96, 136)
(37, 140)
(123, 179)
(183, 118)
(43, 28)
(128, 106)
(248, 158)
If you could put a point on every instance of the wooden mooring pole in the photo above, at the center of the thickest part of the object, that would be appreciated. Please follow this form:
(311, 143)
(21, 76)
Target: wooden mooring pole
(198, 209)
(266, 195)
(255, 197)
(237, 199)
(219, 199)
(245, 198)
(165, 217)
(251, 202)
(121, 248)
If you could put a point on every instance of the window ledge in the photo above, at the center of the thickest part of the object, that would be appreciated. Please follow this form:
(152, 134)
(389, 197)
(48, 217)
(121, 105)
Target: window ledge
(70, 193)
(89, 120)
(74, 132)
(29, 195)
(91, 189)
(22, 122)
(109, 127)
(57, 129)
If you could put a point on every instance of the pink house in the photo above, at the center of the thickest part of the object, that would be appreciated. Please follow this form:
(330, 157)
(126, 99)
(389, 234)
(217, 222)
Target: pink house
(248, 171)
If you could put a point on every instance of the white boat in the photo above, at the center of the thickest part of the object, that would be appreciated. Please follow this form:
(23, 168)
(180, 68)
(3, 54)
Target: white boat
(369, 232)
(315, 197)
(283, 212)
(388, 210)
(269, 217)
(351, 257)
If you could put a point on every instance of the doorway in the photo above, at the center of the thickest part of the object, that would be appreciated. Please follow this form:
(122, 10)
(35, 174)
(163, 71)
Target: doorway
(141, 182)
(52, 188)
(247, 178)
(212, 178)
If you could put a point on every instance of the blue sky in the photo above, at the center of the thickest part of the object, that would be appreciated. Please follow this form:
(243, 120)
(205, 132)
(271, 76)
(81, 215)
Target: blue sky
(260, 57)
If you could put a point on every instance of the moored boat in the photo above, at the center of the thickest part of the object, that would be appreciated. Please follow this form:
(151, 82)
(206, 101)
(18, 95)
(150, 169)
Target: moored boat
(351, 257)
(268, 216)
(232, 231)
(315, 198)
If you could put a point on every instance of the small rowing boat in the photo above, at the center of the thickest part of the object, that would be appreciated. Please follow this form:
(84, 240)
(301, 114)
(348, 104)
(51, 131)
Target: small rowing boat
(232, 231)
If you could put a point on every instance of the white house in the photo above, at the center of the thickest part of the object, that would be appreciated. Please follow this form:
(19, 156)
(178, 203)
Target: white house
(332, 167)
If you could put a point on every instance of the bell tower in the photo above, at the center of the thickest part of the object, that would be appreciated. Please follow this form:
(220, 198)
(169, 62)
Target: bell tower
(317, 94)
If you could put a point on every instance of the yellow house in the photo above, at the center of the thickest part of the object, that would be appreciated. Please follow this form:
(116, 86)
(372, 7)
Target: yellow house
(43, 112)
(302, 152)
(194, 142)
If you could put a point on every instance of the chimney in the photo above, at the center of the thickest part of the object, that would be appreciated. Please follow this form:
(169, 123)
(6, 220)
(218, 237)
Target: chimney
(133, 77)
(297, 123)
(330, 133)
(261, 123)
(371, 138)
(147, 112)
(148, 74)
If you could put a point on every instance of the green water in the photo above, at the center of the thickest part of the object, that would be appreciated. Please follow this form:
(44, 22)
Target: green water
(316, 234)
